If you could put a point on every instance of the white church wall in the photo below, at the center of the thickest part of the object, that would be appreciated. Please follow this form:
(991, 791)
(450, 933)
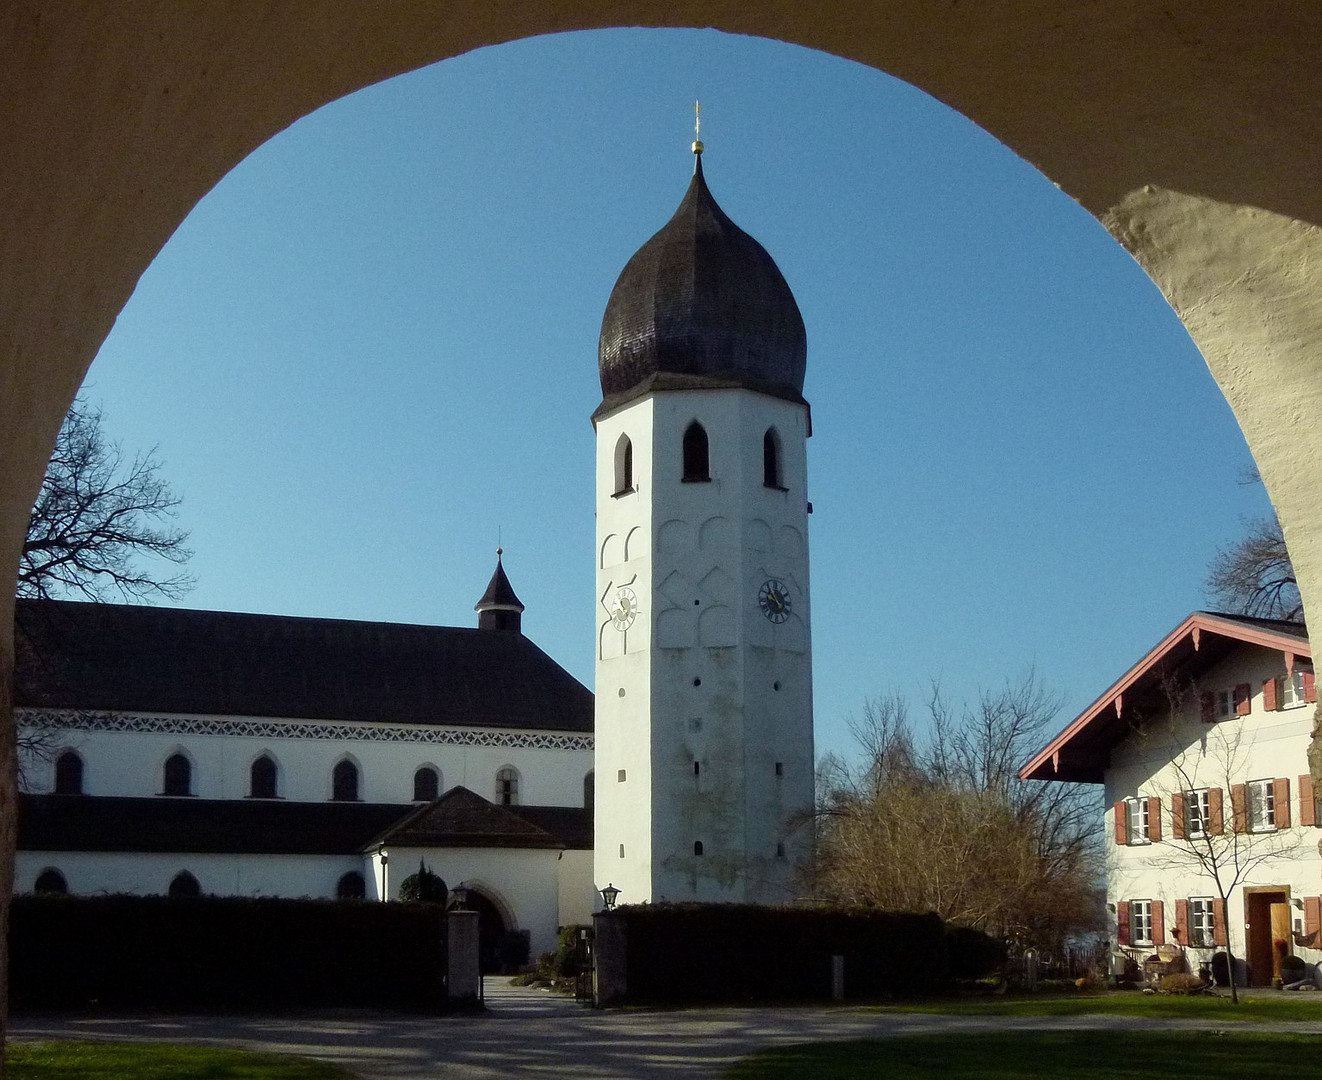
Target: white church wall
(91, 873)
(130, 762)
(523, 884)
(577, 894)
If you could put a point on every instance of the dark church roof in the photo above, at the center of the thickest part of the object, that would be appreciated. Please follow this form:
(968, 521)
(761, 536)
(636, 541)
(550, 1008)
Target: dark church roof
(116, 657)
(701, 304)
(462, 818)
(279, 827)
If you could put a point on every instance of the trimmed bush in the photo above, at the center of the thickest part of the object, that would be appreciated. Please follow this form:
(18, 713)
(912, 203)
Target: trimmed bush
(733, 952)
(973, 954)
(72, 952)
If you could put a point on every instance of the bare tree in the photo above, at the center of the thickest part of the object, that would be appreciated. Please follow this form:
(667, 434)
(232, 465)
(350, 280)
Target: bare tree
(1254, 575)
(98, 516)
(944, 824)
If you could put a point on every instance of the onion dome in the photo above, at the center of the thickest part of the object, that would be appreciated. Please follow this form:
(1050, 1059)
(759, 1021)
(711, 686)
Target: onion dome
(499, 608)
(701, 305)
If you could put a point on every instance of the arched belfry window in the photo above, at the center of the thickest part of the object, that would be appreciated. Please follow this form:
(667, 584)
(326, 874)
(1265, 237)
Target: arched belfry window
(262, 778)
(623, 466)
(344, 782)
(426, 784)
(772, 474)
(178, 776)
(697, 462)
(68, 774)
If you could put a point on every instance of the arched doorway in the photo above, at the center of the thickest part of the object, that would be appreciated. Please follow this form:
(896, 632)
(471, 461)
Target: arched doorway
(492, 934)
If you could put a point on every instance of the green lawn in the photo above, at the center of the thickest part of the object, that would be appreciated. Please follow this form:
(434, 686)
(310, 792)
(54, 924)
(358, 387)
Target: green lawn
(143, 1061)
(1067, 1055)
(1281, 1009)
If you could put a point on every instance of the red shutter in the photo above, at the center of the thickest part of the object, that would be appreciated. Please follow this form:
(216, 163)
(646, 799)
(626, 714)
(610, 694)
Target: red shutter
(1312, 918)
(1207, 704)
(1307, 808)
(1243, 692)
(1218, 922)
(1121, 822)
(1158, 923)
(1310, 687)
(1182, 921)
(1122, 922)
(1154, 818)
(1269, 695)
(1215, 820)
(1239, 807)
(1281, 804)
(1177, 815)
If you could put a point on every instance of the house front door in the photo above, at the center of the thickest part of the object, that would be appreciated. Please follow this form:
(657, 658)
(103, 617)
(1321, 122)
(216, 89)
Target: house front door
(1263, 909)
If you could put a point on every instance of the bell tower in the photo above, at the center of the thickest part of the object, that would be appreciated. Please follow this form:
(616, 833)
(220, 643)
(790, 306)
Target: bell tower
(704, 746)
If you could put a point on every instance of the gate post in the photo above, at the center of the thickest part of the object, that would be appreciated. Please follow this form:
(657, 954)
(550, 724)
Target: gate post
(462, 969)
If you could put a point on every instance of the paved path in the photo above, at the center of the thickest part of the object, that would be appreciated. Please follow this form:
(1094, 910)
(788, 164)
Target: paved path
(534, 1034)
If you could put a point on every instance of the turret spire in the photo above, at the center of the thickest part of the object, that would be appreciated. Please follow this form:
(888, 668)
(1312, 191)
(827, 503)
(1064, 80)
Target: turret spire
(499, 608)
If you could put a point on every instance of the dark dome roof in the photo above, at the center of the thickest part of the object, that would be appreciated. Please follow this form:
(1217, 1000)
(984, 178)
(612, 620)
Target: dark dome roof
(701, 304)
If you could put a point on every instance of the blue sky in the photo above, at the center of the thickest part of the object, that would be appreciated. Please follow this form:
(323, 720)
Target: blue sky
(370, 351)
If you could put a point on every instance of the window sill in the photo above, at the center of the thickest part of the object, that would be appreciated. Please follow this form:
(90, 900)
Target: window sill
(695, 479)
(623, 492)
(777, 487)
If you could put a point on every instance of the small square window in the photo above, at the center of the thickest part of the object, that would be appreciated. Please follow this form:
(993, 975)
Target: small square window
(780, 768)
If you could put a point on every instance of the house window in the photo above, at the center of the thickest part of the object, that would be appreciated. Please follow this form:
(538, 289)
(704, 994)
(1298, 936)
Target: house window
(344, 782)
(68, 774)
(623, 466)
(184, 885)
(426, 784)
(1197, 813)
(178, 776)
(262, 779)
(1223, 704)
(1201, 924)
(771, 472)
(1140, 922)
(1290, 689)
(697, 464)
(351, 886)
(1261, 805)
(50, 882)
(1139, 825)
(507, 786)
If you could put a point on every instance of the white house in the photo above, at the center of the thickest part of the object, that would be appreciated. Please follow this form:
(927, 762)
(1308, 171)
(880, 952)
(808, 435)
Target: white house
(1211, 825)
(199, 751)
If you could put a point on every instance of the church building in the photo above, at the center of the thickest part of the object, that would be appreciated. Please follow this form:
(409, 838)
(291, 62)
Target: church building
(188, 752)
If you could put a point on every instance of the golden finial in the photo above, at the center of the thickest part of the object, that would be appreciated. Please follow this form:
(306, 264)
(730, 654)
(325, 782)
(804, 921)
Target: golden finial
(697, 127)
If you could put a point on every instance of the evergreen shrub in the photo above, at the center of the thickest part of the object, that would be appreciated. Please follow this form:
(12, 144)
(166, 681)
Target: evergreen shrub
(973, 954)
(73, 952)
(733, 952)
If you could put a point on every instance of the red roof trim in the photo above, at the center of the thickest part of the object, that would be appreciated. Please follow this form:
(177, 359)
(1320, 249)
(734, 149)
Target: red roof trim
(1199, 621)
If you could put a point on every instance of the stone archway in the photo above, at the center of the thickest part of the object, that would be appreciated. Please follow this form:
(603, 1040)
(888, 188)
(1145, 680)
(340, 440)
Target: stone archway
(1190, 134)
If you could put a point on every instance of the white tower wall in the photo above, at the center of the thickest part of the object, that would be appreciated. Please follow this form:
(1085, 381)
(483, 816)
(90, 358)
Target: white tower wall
(702, 677)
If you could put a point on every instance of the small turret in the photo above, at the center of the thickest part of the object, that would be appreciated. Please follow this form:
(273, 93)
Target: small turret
(499, 608)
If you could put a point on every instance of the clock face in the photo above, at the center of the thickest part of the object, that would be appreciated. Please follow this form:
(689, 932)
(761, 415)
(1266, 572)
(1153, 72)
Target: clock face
(626, 608)
(774, 600)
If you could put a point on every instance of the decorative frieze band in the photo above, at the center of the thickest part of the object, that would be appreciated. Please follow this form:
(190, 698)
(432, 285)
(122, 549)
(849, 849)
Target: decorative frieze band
(300, 729)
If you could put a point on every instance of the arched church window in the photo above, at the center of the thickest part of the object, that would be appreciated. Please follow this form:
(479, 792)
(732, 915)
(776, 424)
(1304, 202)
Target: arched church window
(178, 776)
(697, 464)
(184, 885)
(623, 466)
(697, 847)
(590, 791)
(50, 882)
(344, 782)
(262, 778)
(772, 475)
(68, 774)
(426, 784)
(351, 886)
(507, 786)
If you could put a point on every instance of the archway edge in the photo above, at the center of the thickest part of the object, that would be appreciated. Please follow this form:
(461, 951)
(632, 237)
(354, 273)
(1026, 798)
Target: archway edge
(1165, 124)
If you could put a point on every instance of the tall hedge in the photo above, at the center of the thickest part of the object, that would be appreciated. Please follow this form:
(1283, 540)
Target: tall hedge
(223, 952)
(733, 952)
